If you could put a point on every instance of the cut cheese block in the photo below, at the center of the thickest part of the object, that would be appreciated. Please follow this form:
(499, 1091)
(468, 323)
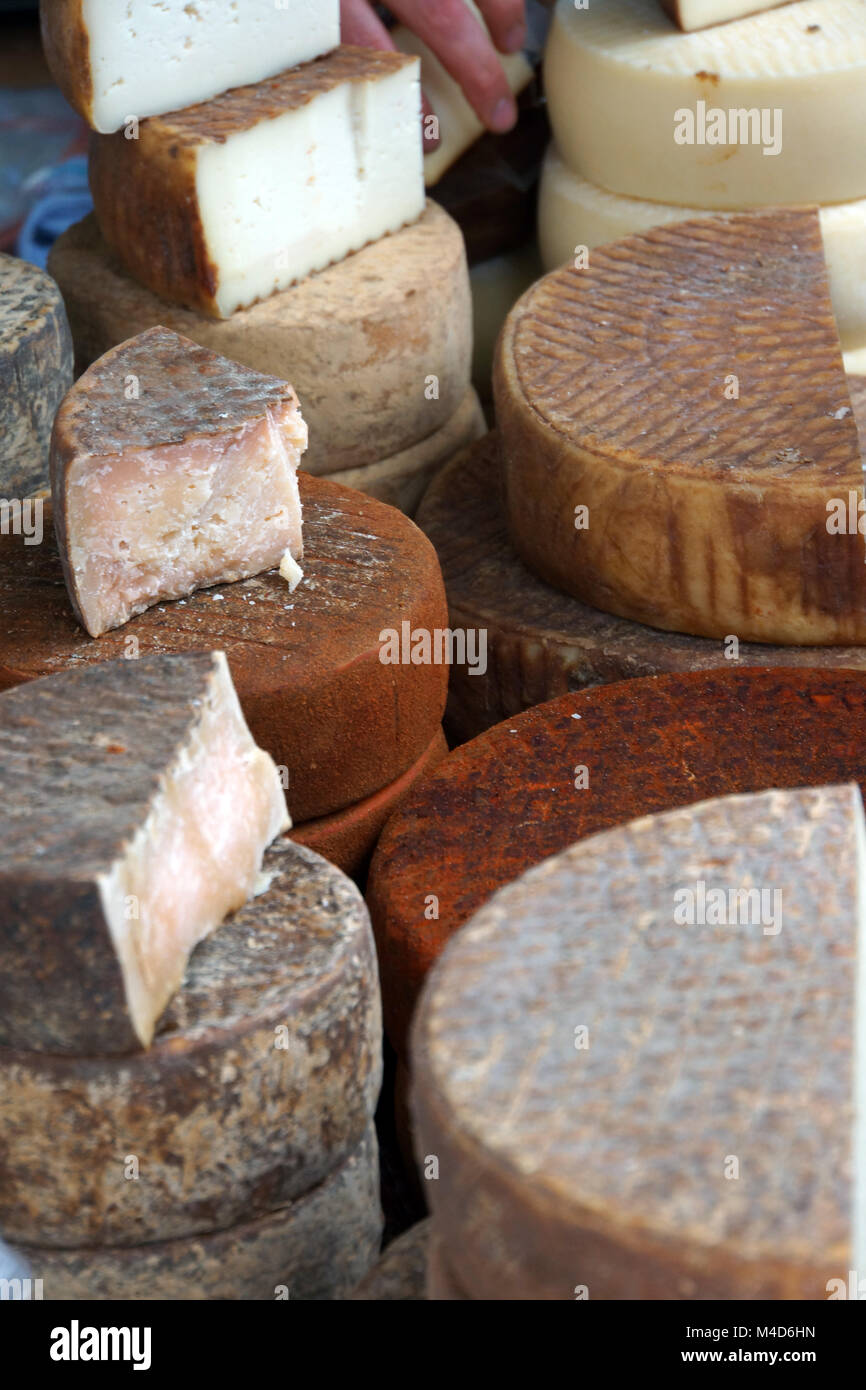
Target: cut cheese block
(583, 763)
(639, 1066)
(377, 348)
(35, 374)
(400, 1276)
(402, 480)
(315, 1249)
(115, 68)
(541, 643)
(666, 457)
(348, 838)
(766, 110)
(703, 14)
(573, 214)
(220, 205)
(262, 1079)
(171, 469)
(338, 722)
(134, 814)
(459, 127)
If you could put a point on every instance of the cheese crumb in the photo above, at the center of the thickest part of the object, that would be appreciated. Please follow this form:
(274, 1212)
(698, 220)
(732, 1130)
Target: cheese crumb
(291, 571)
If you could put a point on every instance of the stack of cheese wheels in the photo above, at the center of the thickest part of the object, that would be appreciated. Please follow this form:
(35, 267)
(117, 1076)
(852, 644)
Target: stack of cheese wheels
(638, 1070)
(186, 1102)
(653, 125)
(262, 193)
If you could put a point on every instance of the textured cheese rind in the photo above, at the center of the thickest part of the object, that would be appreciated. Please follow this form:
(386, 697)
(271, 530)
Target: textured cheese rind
(617, 73)
(574, 213)
(35, 374)
(358, 341)
(317, 1249)
(442, 1286)
(226, 1124)
(707, 513)
(136, 808)
(154, 58)
(609, 1166)
(401, 1273)
(175, 207)
(703, 14)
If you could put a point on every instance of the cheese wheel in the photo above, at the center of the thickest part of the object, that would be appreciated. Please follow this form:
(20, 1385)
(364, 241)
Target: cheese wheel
(541, 643)
(581, 764)
(497, 285)
(400, 1276)
(666, 458)
(35, 374)
(261, 1080)
(360, 342)
(442, 1286)
(767, 110)
(612, 1062)
(315, 1249)
(402, 480)
(338, 722)
(574, 213)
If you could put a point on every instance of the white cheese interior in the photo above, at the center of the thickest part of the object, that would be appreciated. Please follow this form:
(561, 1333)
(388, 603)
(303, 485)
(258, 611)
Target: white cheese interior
(152, 56)
(855, 362)
(702, 14)
(296, 193)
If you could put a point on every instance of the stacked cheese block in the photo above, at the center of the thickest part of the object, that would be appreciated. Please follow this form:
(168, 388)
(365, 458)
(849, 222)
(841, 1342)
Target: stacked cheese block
(35, 374)
(186, 1102)
(240, 157)
(652, 125)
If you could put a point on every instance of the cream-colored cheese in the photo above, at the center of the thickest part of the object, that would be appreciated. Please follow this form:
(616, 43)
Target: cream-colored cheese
(703, 14)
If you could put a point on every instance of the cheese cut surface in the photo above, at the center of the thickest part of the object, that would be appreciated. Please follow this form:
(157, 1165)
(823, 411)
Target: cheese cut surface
(574, 213)
(581, 764)
(162, 55)
(136, 808)
(650, 1094)
(35, 374)
(542, 643)
(704, 14)
(201, 210)
(338, 722)
(656, 389)
(855, 362)
(261, 1080)
(632, 103)
(171, 469)
(358, 341)
(315, 1249)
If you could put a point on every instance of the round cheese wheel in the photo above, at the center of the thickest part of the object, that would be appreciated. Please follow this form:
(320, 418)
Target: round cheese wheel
(442, 1285)
(400, 1276)
(262, 1079)
(35, 374)
(581, 764)
(306, 665)
(378, 349)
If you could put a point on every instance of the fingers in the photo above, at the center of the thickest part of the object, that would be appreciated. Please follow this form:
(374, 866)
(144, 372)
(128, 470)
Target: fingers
(360, 25)
(465, 51)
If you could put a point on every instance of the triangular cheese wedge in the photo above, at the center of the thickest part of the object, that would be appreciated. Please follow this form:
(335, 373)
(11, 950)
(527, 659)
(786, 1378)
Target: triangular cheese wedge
(678, 437)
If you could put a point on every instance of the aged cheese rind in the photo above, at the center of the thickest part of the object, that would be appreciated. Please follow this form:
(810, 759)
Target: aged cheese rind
(540, 642)
(172, 469)
(315, 1249)
(442, 1286)
(707, 512)
(703, 14)
(358, 341)
(695, 736)
(35, 374)
(337, 721)
(136, 808)
(551, 1176)
(151, 59)
(262, 1078)
(177, 205)
(400, 1276)
(574, 213)
(618, 75)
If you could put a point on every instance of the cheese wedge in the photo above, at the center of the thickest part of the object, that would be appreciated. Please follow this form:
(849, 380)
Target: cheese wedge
(134, 814)
(703, 14)
(640, 1066)
(116, 63)
(221, 205)
(767, 110)
(686, 390)
(172, 469)
(573, 214)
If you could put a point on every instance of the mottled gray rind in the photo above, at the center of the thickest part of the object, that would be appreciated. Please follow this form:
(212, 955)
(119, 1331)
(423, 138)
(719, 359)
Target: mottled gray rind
(224, 1124)
(35, 374)
(400, 1276)
(318, 1249)
(609, 1165)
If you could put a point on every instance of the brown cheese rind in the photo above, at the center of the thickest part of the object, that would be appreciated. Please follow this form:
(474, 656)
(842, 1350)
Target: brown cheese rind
(707, 515)
(66, 46)
(262, 1078)
(400, 1275)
